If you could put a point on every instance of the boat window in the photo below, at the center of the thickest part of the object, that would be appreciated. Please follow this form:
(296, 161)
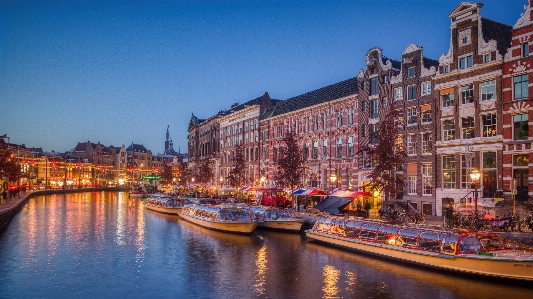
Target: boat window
(469, 244)
(430, 236)
(409, 233)
(489, 243)
(355, 224)
(350, 231)
(387, 235)
(449, 244)
(429, 245)
(367, 235)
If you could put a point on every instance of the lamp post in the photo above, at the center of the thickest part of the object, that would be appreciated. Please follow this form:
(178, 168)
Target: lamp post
(221, 179)
(474, 178)
(262, 180)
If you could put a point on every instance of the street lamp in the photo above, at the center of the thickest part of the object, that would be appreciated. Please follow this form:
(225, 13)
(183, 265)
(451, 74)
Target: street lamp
(221, 180)
(474, 178)
(262, 180)
(332, 179)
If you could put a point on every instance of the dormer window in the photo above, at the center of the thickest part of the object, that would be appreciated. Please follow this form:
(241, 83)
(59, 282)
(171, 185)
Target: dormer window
(525, 49)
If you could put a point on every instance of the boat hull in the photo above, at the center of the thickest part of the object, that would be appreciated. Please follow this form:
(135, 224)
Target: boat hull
(165, 210)
(290, 226)
(224, 226)
(137, 195)
(510, 268)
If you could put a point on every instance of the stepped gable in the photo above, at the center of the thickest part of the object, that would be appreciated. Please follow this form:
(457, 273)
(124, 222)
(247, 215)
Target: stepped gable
(136, 148)
(499, 32)
(322, 95)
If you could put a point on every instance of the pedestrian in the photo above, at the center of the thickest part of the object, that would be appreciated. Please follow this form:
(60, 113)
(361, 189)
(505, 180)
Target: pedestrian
(367, 209)
(298, 201)
(359, 209)
(449, 215)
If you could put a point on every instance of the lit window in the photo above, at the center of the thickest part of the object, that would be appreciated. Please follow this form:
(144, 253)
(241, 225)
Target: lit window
(412, 116)
(448, 172)
(489, 125)
(467, 125)
(412, 184)
(426, 143)
(411, 144)
(448, 130)
(426, 179)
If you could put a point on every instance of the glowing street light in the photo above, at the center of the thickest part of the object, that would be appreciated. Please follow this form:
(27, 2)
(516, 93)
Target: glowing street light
(474, 178)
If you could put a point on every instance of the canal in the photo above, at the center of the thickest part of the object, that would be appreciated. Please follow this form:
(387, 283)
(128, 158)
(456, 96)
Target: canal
(105, 245)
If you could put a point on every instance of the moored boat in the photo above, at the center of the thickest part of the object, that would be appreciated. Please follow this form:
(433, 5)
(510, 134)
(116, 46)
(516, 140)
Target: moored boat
(164, 204)
(278, 219)
(473, 252)
(230, 219)
(138, 194)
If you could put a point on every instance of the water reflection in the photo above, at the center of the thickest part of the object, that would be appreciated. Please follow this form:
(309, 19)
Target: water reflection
(101, 245)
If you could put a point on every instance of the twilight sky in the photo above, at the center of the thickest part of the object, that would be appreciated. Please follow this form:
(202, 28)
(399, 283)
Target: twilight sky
(118, 72)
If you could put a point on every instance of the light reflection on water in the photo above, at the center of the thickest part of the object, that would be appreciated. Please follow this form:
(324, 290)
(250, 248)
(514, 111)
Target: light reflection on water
(101, 245)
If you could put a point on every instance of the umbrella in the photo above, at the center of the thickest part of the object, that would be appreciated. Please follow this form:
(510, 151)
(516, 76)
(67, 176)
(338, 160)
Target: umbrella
(298, 192)
(314, 191)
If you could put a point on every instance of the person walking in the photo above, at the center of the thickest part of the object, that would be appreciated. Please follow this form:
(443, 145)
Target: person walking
(367, 209)
(449, 215)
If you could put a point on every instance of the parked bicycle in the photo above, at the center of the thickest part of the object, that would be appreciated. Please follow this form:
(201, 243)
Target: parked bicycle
(526, 224)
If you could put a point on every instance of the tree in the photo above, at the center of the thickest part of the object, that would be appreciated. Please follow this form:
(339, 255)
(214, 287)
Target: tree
(206, 171)
(388, 155)
(166, 173)
(236, 176)
(290, 163)
(184, 173)
(9, 166)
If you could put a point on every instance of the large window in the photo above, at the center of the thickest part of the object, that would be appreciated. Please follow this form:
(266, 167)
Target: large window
(374, 109)
(426, 88)
(467, 94)
(350, 146)
(520, 127)
(520, 87)
(315, 150)
(488, 90)
(339, 147)
(489, 125)
(448, 172)
(324, 147)
(411, 144)
(426, 113)
(374, 86)
(373, 134)
(398, 94)
(412, 184)
(448, 130)
(411, 92)
(427, 182)
(525, 49)
(339, 118)
(465, 62)
(466, 166)
(447, 100)
(467, 127)
(412, 116)
(426, 143)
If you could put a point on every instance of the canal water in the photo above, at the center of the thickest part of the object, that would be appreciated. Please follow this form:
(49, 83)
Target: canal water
(105, 245)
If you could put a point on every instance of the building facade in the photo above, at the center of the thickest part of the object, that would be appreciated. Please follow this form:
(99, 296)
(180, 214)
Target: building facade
(518, 109)
(469, 127)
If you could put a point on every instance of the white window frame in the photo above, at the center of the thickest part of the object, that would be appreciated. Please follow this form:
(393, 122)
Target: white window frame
(426, 138)
(427, 180)
(426, 88)
(398, 94)
(412, 184)
(488, 90)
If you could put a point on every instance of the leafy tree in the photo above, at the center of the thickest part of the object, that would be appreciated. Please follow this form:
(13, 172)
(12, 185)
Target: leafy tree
(291, 163)
(166, 173)
(184, 173)
(206, 171)
(388, 156)
(9, 166)
(236, 176)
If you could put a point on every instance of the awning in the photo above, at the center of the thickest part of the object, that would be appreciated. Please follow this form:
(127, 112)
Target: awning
(314, 191)
(245, 188)
(298, 192)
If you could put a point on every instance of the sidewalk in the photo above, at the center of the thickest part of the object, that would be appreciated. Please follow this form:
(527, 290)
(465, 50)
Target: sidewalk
(7, 204)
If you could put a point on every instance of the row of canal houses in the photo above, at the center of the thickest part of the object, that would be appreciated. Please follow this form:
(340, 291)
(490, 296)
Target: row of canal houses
(468, 109)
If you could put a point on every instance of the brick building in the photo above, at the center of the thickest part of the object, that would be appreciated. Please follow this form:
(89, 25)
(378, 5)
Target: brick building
(469, 84)
(518, 108)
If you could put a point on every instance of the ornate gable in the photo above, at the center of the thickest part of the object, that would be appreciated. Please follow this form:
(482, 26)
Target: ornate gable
(465, 9)
(525, 18)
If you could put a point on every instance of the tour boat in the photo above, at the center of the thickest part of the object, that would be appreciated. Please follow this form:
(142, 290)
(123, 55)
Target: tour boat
(472, 252)
(164, 204)
(138, 194)
(278, 219)
(231, 219)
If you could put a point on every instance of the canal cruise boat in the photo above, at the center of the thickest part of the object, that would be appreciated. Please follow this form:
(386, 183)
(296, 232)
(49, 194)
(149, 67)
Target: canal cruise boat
(466, 251)
(278, 219)
(231, 219)
(164, 204)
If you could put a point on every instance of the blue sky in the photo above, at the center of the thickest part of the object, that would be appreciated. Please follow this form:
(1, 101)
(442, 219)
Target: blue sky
(118, 72)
